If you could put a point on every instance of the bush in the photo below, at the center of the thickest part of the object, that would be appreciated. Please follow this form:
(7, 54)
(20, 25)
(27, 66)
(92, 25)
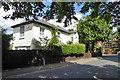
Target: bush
(70, 49)
(69, 42)
(74, 49)
(66, 49)
(81, 48)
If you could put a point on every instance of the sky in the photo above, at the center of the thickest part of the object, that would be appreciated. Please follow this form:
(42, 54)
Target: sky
(7, 23)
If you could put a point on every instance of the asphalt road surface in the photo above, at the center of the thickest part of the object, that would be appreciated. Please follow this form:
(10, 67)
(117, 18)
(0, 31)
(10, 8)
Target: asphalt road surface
(97, 68)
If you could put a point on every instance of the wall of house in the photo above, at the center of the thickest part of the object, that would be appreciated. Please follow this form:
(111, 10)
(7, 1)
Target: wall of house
(65, 37)
(21, 42)
(37, 36)
(32, 34)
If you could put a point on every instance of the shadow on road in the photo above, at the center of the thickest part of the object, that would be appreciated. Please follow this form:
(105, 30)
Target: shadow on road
(114, 58)
(79, 71)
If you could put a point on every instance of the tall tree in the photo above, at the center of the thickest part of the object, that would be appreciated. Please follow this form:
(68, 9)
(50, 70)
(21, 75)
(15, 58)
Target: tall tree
(110, 8)
(25, 10)
(92, 30)
(5, 39)
(61, 10)
(34, 10)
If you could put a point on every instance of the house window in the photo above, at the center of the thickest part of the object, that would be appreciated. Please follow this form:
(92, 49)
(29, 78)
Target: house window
(71, 38)
(22, 31)
(16, 48)
(28, 47)
(58, 34)
(41, 31)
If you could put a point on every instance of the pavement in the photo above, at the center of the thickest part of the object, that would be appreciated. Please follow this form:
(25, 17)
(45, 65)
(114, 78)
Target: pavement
(28, 70)
(98, 67)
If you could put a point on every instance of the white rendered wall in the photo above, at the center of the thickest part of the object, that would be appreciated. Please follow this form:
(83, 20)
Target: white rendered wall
(36, 33)
(64, 38)
(22, 41)
(32, 31)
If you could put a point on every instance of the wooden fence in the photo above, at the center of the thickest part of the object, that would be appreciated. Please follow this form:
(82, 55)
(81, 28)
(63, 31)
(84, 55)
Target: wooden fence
(22, 58)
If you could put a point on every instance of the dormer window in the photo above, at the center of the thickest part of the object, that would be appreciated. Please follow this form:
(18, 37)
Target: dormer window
(22, 31)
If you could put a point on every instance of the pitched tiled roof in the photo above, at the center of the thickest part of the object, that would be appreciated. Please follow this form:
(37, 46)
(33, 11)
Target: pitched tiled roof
(43, 22)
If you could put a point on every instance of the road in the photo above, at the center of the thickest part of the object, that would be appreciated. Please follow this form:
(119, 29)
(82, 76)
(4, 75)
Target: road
(97, 68)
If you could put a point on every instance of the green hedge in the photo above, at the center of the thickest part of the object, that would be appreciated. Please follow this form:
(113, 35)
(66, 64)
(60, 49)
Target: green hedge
(70, 48)
(74, 48)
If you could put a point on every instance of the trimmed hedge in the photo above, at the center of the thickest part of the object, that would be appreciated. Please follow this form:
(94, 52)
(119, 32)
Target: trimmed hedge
(74, 48)
(66, 49)
(70, 48)
(81, 48)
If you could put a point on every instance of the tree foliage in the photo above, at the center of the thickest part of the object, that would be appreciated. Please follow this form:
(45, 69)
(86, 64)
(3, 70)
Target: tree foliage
(92, 30)
(61, 9)
(25, 10)
(58, 10)
(54, 39)
(34, 10)
(110, 8)
(5, 39)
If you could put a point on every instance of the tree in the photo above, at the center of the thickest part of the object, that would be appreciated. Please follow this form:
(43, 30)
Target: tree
(5, 39)
(109, 8)
(92, 30)
(118, 38)
(28, 10)
(60, 9)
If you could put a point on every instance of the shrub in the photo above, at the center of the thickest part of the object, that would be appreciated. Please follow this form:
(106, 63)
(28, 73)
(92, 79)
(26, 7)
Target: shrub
(68, 49)
(10, 48)
(69, 42)
(81, 48)
(74, 48)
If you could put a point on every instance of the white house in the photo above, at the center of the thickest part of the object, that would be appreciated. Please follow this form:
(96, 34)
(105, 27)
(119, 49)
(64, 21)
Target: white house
(26, 33)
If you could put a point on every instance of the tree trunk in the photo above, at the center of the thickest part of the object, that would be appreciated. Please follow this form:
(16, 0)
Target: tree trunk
(92, 48)
(43, 58)
(87, 46)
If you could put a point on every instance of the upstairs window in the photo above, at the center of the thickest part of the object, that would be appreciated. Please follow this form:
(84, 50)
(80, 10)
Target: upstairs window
(22, 31)
(71, 38)
(41, 31)
(58, 34)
